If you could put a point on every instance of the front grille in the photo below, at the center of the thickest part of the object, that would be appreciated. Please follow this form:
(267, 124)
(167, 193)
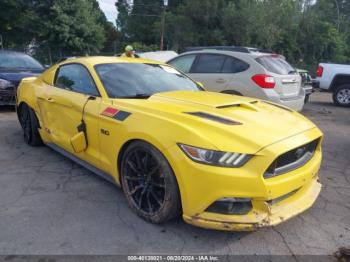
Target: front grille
(292, 159)
(7, 97)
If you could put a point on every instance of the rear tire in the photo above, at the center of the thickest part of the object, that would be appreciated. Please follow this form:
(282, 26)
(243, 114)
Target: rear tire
(341, 95)
(30, 125)
(149, 183)
(307, 98)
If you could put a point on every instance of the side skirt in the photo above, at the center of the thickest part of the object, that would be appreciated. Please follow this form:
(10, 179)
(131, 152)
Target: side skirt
(83, 163)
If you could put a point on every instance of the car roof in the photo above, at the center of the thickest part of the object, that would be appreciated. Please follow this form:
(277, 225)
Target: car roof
(96, 60)
(252, 54)
(12, 52)
(215, 52)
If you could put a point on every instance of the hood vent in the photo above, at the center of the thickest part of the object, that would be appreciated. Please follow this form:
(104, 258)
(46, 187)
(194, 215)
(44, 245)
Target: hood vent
(247, 105)
(214, 118)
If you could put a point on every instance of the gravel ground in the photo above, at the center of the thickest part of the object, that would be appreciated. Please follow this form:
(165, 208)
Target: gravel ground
(49, 205)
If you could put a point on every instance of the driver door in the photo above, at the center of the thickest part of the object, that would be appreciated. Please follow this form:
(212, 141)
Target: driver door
(68, 102)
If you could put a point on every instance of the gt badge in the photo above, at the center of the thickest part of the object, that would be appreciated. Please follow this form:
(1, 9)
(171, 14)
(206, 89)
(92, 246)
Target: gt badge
(105, 132)
(115, 113)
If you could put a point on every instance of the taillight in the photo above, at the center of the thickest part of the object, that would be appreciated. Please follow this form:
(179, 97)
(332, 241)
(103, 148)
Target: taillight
(264, 81)
(319, 71)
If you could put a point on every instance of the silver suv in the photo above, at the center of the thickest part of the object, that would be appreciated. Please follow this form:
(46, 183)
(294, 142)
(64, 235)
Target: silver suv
(244, 72)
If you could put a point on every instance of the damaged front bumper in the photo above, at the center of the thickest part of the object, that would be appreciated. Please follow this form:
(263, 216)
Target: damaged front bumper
(264, 213)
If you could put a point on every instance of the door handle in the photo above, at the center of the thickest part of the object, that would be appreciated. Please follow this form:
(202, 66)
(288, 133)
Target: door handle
(220, 81)
(50, 100)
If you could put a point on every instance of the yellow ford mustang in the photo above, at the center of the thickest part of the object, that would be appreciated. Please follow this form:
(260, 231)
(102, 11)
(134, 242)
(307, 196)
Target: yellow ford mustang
(223, 162)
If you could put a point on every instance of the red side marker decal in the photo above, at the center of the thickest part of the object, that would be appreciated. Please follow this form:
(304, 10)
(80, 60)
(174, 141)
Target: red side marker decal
(110, 112)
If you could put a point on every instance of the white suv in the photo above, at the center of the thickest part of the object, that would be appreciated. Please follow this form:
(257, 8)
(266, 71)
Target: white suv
(253, 74)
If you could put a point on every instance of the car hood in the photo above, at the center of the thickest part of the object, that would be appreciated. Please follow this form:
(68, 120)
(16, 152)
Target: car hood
(16, 76)
(228, 122)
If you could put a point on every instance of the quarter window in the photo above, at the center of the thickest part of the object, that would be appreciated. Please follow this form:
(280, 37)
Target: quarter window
(234, 65)
(76, 78)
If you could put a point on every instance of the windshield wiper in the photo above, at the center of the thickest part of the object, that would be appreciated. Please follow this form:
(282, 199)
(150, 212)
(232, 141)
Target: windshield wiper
(137, 96)
(292, 72)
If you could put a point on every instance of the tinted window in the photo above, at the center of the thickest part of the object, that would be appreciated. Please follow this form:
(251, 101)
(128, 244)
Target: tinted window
(234, 65)
(277, 65)
(13, 60)
(127, 80)
(183, 63)
(76, 78)
(209, 63)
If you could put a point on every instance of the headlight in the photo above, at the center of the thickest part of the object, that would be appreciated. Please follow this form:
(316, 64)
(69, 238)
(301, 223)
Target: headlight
(215, 158)
(5, 84)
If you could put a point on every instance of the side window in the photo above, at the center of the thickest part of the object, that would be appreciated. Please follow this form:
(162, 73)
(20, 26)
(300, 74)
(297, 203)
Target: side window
(234, 65)
(183, 63)
(76, 78)
(209, 63)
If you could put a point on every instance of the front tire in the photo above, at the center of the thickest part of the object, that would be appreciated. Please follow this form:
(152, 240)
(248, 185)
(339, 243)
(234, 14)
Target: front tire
(149, 183)
(341, 96)
(30, 125)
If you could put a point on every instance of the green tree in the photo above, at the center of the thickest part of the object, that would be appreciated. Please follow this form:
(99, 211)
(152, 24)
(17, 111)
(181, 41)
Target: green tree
(72, 26)
(17, 22)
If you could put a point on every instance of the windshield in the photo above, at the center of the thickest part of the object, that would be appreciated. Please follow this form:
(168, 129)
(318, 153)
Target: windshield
(128, 80)
(18, 61)
(276, 65)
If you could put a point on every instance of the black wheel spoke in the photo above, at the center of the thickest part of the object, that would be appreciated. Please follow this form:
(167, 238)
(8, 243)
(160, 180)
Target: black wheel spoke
(154, 169)
(138, 161)
(150, 208)
(133, 178)
(156, 198)
(145, 161)
(141, 198)
(137, 188)
(132, 166)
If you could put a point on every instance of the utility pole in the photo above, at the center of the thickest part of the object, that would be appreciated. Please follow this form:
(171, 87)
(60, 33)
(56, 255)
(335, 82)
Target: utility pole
(338, 12)
(163, 26)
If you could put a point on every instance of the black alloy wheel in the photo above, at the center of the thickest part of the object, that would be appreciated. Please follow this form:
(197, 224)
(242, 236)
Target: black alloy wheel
(149, 183)
(30, 125)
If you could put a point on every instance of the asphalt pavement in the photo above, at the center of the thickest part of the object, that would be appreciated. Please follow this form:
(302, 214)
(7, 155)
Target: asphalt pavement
(49, 205)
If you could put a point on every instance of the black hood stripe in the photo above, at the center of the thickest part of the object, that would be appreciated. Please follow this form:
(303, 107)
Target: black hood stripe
(214, 118)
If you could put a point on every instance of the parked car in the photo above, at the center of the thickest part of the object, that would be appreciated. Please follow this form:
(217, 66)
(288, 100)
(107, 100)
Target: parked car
(306, 83)
(220, 161)
(15, 66)
(335, 78)
(239, 71)
(159, 56)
